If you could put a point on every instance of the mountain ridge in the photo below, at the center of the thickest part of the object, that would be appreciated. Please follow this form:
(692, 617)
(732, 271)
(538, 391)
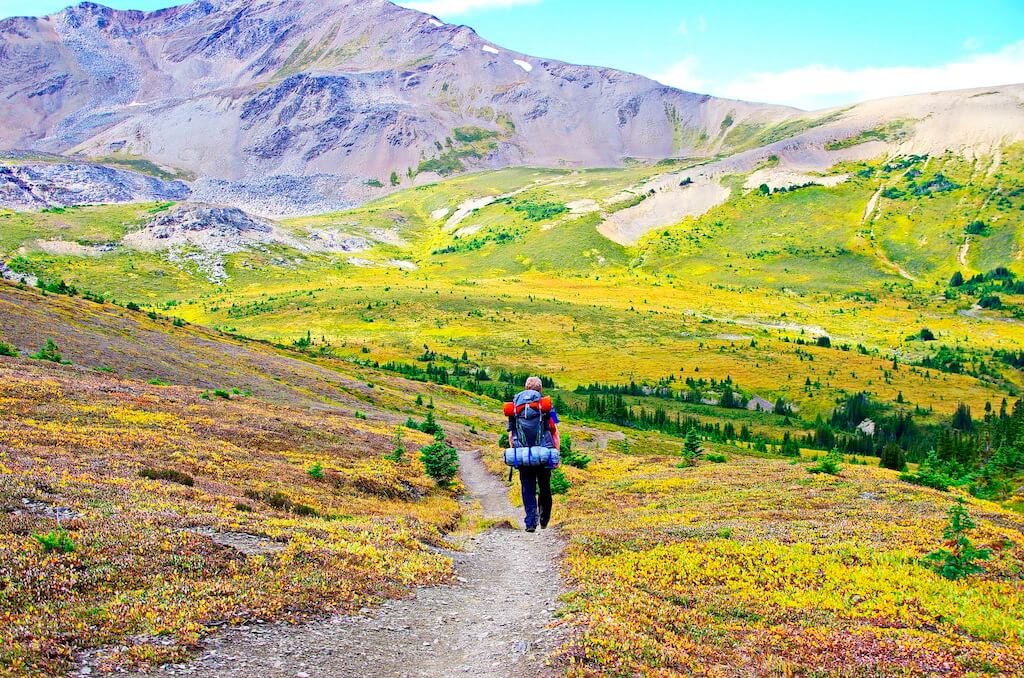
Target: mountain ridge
(353, 91)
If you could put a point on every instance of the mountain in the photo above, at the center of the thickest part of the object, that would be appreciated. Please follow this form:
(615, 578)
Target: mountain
(293, 106)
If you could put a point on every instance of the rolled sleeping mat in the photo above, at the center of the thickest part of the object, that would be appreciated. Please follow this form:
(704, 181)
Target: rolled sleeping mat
(532, 456)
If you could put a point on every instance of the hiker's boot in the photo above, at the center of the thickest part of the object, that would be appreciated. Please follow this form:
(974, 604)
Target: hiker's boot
(544, 520)
(531, 529)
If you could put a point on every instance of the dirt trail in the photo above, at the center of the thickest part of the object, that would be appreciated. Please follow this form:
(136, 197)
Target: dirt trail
(492, 621)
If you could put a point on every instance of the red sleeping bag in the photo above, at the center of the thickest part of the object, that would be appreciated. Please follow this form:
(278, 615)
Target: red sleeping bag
(544, 405)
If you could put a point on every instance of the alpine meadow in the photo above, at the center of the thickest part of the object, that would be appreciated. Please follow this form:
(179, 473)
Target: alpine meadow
(274, 276)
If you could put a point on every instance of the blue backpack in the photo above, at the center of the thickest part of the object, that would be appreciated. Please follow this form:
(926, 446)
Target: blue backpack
(529, 418)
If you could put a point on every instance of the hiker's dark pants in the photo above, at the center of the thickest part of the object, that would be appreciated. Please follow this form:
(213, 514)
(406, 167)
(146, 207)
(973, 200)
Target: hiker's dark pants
(532, 479)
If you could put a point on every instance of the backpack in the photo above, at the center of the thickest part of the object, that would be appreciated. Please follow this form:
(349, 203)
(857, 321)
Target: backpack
(529, 417)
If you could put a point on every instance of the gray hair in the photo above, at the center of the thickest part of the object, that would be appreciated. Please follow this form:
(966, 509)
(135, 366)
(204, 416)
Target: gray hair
(534, 384)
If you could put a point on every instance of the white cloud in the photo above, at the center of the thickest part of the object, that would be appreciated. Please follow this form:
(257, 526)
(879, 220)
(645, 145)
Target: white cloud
(684, 26)
(819, 86)
(682, 74)
(458, 7)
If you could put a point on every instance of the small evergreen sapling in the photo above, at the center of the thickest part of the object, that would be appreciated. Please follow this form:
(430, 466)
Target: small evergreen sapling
(692, 449)
(440, 460)
(399, 451)
(959, 560)
(56, 541)
(430, 425)
(829, 464)
(8, 350)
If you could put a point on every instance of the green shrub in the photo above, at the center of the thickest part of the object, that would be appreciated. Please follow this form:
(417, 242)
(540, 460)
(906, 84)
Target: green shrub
(540, 211)
(992, 301)
(960, 559)
(790, 447)
(49, 352)
(56, 541)
(169, 475)
(570, 457)
(716, 458)
(282, 502)
(559, 483)
(221, 393)
(316, 471)
(934, 474)
(243, 507)
(8, 350)
(829, 465)
(893, 458)
(440, 460)
(977, 227)
(157, 382)
(132, 306)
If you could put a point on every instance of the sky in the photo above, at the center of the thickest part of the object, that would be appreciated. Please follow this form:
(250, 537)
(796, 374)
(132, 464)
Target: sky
(803, 53)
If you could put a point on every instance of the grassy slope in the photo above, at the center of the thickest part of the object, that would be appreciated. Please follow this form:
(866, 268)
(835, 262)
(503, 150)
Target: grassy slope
(76, 438)
(755, 567)
(689, 297)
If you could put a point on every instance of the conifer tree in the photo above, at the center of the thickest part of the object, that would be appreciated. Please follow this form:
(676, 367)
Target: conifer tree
(691, 446)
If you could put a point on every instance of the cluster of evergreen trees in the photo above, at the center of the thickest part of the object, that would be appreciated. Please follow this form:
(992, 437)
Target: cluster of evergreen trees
(724, 393)
(461, 373)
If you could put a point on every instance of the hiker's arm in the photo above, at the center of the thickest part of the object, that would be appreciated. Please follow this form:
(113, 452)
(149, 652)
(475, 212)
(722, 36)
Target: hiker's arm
(555, 441)
(511, 433)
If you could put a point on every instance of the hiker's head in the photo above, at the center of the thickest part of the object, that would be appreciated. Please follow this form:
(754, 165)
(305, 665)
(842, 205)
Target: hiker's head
(534, 384)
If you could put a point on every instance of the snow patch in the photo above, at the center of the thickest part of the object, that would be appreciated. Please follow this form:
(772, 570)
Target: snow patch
(523, 65)
(438, 215)
(361, 263)
(435, 22)
(490, 50)
(468, 230)
(404, 265)
(780, 177)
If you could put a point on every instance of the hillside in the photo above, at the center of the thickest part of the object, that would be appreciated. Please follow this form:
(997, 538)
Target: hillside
(198, 514)
(242, 531)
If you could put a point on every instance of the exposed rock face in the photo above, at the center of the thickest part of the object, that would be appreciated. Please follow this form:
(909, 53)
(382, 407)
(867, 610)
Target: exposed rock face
(214, 222)
(202, 236)
(36, 186)
(345, 91)
(289, 107)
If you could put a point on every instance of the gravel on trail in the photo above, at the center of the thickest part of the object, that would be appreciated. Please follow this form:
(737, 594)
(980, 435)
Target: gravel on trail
(494, 619)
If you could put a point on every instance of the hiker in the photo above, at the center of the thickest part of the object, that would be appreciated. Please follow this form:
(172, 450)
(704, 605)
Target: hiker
(532, 422)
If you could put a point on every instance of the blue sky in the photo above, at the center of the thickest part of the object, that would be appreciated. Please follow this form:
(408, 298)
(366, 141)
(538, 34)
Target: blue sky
(804, 53)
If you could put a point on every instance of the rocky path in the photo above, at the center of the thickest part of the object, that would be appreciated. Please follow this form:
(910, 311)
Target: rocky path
(492, 621)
